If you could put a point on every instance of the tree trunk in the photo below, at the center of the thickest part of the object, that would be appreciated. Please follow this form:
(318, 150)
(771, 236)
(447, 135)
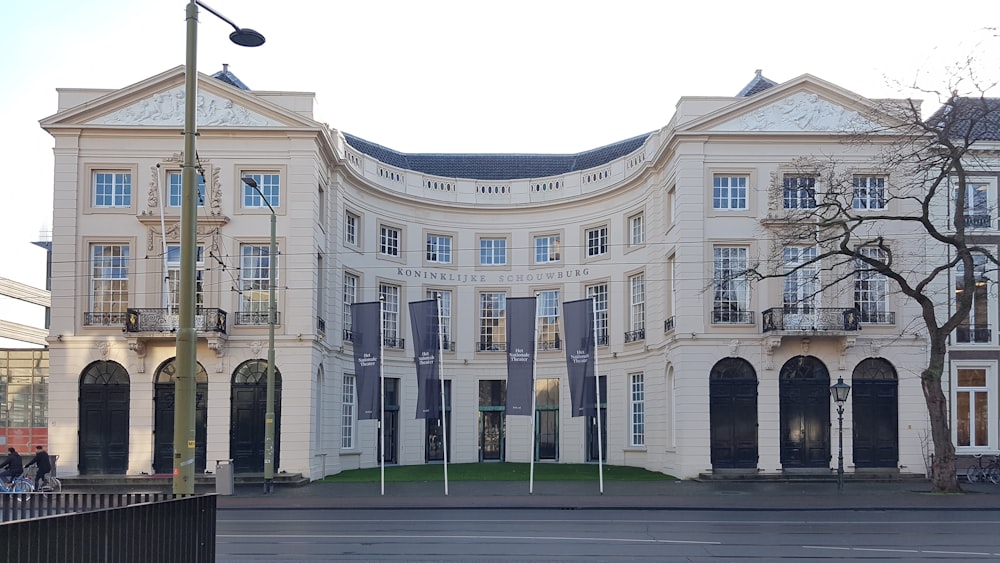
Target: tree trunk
(945, 476)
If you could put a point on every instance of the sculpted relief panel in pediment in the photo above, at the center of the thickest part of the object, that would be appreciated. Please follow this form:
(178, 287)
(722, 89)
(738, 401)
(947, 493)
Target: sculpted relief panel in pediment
(802, 111)
(167, 108)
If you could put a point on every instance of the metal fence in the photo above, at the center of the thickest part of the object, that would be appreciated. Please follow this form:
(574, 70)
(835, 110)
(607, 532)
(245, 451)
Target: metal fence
(84, 527)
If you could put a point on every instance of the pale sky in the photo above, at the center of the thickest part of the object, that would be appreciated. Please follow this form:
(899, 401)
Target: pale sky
(545, 76)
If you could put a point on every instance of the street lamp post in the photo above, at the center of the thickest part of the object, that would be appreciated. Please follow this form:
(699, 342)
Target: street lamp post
(272, 311)
(839, 391)
(187, 337)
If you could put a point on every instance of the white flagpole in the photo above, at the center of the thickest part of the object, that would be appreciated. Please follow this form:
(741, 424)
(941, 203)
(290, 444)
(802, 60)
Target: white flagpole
(444, 427)
(597, 384)
(381, 386)
(534, 364)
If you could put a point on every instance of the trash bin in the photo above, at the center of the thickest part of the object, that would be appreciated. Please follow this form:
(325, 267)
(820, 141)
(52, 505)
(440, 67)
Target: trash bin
(224, 477)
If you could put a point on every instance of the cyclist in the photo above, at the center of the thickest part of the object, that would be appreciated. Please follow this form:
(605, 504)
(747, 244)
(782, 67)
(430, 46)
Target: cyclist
(44, 466)
(13, 467)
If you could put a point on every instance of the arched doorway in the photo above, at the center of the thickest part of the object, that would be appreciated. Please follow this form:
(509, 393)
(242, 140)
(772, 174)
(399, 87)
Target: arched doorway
(804, 392)
(163, 417)
(104, 419)
(874, 402)
(733, 414)
(248, 404)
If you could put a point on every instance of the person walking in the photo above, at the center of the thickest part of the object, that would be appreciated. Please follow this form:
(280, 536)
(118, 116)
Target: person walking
(13, 467)
(44, 466)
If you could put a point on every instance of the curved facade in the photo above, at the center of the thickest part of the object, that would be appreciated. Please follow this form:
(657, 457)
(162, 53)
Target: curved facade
(703, 370)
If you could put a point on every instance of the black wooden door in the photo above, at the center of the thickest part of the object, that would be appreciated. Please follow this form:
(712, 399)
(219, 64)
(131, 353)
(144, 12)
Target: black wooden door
(104, 419)
(804, 396)
(733, 414)
(248, 405)
(390, 418)
(163, 427)
(874, 402)
(592, 445)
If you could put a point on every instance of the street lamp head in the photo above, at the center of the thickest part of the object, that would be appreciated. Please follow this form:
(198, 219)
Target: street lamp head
(249, 181)
(840, 391)
(246, 37)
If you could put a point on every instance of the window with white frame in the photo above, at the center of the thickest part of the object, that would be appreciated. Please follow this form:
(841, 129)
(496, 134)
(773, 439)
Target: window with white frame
(799, 192)
(439, 249)
(673, 204)
(730, 286)
(672, 269)
(445, 314)
(493, 321)
(255, 271)
(801, 282)
(636, 230)
(637, 308)
(492, 251)
(871, 289)
(390, 315)
(729, 191)
(112, 188)
(973, 420)
(975, 328)
(546, 249)
(348, 412)
(547, 313)
(599, 293)
(350, 298)
(352, 223)
(597, 241)
(388, 241)
(269, 184)
(869, 192)
(173, 277)
(637, 409)
(109, 291)
(977, 206)
(175, 189)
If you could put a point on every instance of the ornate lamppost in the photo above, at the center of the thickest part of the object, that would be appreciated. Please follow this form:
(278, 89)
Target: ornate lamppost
(839, 391)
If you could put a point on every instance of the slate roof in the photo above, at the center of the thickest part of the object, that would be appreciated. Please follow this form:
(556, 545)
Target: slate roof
(497, 166)
(756, 86)
(230, 78)
(976, 119)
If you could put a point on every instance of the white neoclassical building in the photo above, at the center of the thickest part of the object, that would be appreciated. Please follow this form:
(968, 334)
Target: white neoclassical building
(701, 369)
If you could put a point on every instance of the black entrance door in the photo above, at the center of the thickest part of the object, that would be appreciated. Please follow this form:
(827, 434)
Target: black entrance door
(435, 435)
(492, 401)
(391, 421)
(163, 418)
(104, 419)
(733, 414)
(247, 408)
(876, 414)
(804, 391)
(593, 453)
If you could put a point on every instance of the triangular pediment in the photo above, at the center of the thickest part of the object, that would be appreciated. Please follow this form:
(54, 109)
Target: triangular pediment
(167, 108)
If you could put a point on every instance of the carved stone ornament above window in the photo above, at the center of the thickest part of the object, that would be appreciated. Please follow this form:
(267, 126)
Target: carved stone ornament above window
(167, 108)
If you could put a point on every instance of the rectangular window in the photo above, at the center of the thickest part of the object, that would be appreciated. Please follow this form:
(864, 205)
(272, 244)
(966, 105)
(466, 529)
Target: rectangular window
(636, 230)
(173, 276)
(439, 249)
(637, 409)
(871, 289)
(492, 251)
(175, 189)
(637, 308)
(599, 293)
(445, 312)
(347, 417)
(869, 192)
(268, 183)
(976, 326)
(493, 322)
(390, 315)
(730, 287)
(799, 192)
(547, 249)
(729, 192)
(351, 225)
(801, 284)
(112, 189)
(255, 271)
(547, 417)
(109, 265)
(547, 312)
(350, 297)
(977, 205)
(972, 405)
(388, 241)
(597, 241)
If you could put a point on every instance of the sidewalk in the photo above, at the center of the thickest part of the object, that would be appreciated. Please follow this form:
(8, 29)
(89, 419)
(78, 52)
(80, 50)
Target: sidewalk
(651, 495)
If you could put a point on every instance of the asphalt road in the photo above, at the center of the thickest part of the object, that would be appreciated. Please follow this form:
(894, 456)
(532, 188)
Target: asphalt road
(541, 534)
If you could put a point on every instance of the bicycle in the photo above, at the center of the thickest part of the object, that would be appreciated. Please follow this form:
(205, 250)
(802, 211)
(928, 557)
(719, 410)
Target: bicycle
(979, 472)
(49, 485)
(20, 484)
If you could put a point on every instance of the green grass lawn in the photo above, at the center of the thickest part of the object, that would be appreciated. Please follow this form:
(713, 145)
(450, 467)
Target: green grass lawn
(497, 472)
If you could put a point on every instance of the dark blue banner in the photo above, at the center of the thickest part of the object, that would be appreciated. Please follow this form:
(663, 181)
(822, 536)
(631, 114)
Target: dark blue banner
(366, 335)
(424, 323)
(579, 332)
(520, 354)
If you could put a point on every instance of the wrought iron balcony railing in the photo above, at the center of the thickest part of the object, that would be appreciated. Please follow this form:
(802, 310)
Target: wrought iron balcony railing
(550, 344)
(731, 317)
(320, 325)
(165, 320)
(978, 221)
(668, 324)
(395, 343)
(92, 318)
(975, 334)
(635, 335)
(602, 339)
(817, 319)
(348, 335)
(487, 346)
(256, 318)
